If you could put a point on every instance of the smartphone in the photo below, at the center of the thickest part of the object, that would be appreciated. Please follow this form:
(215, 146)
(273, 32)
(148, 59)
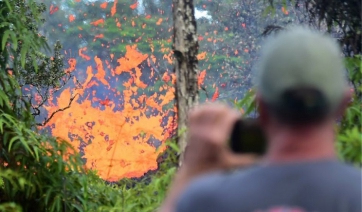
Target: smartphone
(248, 137)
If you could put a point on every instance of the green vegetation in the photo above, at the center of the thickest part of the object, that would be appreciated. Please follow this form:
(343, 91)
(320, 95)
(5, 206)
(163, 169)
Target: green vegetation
(350, 131)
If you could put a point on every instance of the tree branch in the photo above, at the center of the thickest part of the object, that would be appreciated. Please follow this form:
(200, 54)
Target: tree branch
(59, 110)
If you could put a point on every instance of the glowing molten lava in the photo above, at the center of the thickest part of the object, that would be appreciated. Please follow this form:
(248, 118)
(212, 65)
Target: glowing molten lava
(113, 120)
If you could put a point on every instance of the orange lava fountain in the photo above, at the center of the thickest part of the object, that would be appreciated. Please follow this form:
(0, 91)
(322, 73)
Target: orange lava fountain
(116, 142)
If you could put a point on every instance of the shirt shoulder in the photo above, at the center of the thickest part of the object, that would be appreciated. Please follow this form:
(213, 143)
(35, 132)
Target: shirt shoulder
(200, 195)
(332, 182)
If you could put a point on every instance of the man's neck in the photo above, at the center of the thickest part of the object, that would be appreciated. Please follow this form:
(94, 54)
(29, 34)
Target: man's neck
(301, 145)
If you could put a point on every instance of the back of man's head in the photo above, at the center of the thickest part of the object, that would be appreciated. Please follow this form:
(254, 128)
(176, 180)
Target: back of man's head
(301, 76)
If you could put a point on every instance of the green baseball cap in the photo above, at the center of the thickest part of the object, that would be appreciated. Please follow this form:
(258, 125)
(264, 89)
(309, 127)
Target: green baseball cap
(301, 58)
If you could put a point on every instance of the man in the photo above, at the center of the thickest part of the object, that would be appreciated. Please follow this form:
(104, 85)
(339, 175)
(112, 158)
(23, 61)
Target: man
(301, 91)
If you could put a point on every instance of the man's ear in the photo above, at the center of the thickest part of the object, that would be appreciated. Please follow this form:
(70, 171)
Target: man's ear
(346, 100)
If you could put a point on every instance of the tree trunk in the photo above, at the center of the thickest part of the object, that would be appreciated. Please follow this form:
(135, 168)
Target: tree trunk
(185, 50)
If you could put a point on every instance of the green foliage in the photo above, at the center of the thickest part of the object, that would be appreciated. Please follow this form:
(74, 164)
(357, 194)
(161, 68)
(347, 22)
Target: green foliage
(10, 207)
(24, 52)
(350, 130)
(18, 29)
(36, 170)
(247, 103)
(147, 194)
(17, 182)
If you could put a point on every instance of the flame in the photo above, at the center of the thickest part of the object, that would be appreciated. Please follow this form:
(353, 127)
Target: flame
(159, 21)
(53, 9)
(98, 22)
(72, 63)
(81, 54)
(285, 11)
(201, 78)
(131, 60)
(71, 18)
(114, 8)
(98, 36)
(216, 94)
(201, 56)
(104, 5)
(134, 6)
(115, 137)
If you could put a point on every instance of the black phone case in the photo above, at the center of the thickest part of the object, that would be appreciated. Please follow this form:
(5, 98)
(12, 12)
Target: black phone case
(248, 137)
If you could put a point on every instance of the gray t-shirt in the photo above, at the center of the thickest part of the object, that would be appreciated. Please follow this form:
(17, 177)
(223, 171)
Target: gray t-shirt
(323, 186)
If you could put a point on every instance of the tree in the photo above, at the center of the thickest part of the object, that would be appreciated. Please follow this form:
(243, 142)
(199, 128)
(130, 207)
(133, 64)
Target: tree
(185, 52)
(340, 17)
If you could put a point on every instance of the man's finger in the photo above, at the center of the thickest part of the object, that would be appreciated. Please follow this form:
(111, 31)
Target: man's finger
(208, 107)
(226, 126)
(206, 110)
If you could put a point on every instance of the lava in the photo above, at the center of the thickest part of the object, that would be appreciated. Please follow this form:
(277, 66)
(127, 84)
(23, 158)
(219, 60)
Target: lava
(114, 132)
(123, 105)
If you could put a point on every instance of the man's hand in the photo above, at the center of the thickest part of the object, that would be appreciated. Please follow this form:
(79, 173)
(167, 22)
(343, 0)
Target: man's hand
(209, 129)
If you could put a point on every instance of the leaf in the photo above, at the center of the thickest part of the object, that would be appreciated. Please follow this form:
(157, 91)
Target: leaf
(5, 39)
(8, 5)
(35, 148)
(251, 107)
(4, 100)
(14, 39)
(174, 146)
(34, 62)
(182, 131)
(23, 52)
(249, 95)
